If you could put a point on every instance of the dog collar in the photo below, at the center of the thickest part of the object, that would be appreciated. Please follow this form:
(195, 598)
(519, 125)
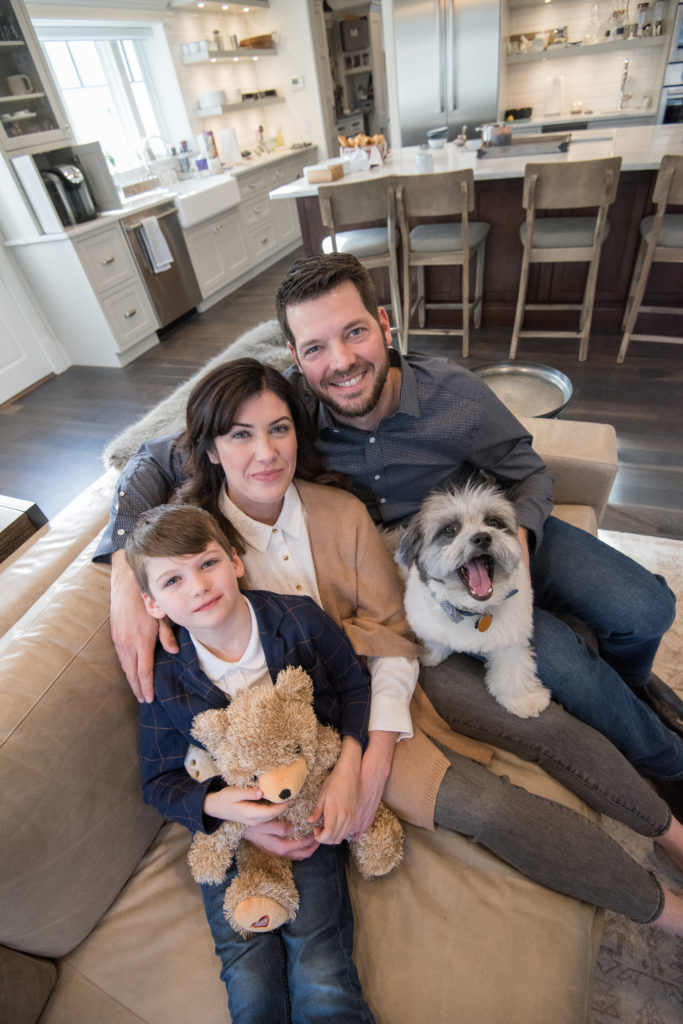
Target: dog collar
(459, 614)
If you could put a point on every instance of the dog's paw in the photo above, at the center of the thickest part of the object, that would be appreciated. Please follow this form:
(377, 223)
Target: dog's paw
(529, 704)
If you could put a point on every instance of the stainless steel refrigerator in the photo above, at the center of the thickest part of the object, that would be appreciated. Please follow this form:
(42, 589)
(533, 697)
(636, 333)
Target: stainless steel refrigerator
(446, 60)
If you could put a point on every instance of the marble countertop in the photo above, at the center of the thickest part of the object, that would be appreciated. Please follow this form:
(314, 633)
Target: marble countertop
(640, 148)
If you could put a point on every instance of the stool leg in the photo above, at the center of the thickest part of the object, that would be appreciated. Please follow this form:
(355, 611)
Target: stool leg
(466, 305)
(479, 284)
(587, 307)
(521, 298)
(638, 294)
(395, 297)
(421, 312)
(406, 303)
(637, 270)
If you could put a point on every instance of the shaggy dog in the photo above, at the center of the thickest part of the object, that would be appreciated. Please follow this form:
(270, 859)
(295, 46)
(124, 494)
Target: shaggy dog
(468, 590)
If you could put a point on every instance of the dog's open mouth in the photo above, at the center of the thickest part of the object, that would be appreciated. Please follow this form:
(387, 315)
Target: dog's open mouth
(477, 575)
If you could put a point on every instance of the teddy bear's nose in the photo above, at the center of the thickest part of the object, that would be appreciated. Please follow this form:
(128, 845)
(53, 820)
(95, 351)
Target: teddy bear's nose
(285, 794)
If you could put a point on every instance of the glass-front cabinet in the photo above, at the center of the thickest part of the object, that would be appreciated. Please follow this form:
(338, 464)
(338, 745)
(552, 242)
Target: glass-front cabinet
(31, 115)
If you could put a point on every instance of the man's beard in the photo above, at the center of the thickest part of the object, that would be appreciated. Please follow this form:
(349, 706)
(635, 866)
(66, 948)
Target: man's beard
(364, 405)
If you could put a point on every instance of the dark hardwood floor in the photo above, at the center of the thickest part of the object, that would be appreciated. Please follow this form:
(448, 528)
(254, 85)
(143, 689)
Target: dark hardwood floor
(51, 438)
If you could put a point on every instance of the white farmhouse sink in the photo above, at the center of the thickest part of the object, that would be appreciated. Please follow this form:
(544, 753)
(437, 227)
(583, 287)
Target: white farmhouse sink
(202, 198)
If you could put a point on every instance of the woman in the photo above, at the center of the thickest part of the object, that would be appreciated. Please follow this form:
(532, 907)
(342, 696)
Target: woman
(249, 460)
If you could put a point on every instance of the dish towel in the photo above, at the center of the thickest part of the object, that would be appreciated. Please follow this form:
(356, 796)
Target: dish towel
(156, 245)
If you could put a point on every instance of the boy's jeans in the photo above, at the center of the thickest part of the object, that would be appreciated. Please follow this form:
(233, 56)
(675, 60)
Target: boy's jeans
(303, 972)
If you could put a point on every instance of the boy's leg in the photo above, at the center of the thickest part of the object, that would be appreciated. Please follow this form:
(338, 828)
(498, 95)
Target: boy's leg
(254, 970)
(323, 982)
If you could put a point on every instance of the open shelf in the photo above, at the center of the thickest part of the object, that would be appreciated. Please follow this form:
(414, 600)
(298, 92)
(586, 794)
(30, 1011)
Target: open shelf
(581, 49)
(226, 108)
(211, 56)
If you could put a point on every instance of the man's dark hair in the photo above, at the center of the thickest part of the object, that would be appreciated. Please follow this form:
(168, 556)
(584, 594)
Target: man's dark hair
(318, 274)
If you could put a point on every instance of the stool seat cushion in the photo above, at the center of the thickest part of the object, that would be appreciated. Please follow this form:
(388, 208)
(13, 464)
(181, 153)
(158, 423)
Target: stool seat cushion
(446, 237)
(671, 234)
(563, 232)
(361, 243)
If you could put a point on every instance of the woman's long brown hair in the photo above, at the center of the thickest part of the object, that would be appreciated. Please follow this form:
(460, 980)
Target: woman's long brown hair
(211, 411)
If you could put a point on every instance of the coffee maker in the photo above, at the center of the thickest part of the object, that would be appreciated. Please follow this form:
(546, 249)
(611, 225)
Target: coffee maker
(69, 193)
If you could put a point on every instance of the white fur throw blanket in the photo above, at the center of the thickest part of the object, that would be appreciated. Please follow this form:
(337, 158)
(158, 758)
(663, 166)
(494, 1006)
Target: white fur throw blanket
(264, 342)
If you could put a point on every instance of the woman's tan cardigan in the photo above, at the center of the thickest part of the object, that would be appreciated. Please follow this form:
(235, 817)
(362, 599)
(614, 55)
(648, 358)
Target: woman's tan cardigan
(361, 588)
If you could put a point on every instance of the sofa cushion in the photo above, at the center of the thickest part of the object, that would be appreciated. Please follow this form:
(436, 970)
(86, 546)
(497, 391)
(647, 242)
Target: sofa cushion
(25, 986)
(72, 822)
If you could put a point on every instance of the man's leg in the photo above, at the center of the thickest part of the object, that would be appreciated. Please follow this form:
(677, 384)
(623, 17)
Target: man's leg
(323, 982)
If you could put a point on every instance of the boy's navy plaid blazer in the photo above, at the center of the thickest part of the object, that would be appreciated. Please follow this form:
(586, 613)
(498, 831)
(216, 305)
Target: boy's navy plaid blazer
(293, 631)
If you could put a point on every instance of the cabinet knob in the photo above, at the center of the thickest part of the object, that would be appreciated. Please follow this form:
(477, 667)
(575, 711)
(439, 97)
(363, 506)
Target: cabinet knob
(129, 314)
(107, 260)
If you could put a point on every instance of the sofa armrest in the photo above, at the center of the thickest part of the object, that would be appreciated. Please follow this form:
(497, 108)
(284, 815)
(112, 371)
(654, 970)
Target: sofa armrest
(581, 458)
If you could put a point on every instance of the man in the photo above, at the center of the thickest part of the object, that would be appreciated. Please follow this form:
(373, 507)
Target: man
(399, 427)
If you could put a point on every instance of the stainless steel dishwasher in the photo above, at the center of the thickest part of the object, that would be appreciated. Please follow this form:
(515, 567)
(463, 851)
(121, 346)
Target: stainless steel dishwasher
(173, 291)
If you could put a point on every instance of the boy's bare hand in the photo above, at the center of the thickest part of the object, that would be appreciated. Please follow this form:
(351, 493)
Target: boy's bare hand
(242, 805)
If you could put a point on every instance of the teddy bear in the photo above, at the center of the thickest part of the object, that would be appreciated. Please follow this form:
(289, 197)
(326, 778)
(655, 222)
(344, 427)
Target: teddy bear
(268, 736)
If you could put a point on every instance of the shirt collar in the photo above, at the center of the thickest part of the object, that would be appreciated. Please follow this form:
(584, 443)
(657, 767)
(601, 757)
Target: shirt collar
(257, 535)
(408, 400)
(216, 668)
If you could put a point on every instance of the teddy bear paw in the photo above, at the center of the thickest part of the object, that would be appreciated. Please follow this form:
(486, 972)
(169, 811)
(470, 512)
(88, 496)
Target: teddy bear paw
(259, 914)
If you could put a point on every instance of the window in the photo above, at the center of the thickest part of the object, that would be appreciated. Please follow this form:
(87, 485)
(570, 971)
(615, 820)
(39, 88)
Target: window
(105, 79)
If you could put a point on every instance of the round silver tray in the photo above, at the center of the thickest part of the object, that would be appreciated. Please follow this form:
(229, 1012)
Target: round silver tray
(527, 389)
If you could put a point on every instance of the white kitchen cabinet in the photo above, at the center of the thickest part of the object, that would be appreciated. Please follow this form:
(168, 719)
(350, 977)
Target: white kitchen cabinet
(218, 251)
(112, 272)
(31, 114)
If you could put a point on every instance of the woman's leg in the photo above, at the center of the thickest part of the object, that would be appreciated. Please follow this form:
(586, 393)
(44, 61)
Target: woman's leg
(253, 970)
(579, 757)
(545, 841)
(323, 982)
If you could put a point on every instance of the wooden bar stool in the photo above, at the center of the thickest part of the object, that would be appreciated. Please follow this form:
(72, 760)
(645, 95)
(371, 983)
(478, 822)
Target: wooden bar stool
(661, 240)
(451, 243)
(565, 186)
(357, 203)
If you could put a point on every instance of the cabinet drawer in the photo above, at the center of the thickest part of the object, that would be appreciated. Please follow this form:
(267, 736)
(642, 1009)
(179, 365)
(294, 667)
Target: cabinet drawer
(262, 242)
(255, 211)
(130, 315)
(252, 184)
(106, 259)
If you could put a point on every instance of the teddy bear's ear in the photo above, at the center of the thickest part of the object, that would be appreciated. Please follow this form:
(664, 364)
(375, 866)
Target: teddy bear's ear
(209, 726)
(296, 683)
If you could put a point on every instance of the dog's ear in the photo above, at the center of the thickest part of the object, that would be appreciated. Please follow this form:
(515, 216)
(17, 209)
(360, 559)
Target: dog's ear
(409, 544)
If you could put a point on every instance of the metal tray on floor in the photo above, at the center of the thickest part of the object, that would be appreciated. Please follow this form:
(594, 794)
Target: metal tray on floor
(528, 145)
(527, 389)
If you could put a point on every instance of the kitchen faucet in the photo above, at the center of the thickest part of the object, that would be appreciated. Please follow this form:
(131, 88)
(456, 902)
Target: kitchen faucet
(147, 151)
(623, 96)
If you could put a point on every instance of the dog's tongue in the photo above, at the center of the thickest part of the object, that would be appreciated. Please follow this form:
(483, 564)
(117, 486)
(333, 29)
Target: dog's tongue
(479, 579)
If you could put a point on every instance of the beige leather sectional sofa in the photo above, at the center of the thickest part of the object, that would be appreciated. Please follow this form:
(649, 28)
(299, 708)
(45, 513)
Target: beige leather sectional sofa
(100, 920)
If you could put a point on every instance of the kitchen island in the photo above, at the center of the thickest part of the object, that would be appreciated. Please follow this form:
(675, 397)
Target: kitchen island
(498, 201)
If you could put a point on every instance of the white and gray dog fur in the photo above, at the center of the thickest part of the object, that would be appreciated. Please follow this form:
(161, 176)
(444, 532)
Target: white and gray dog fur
(468, 590)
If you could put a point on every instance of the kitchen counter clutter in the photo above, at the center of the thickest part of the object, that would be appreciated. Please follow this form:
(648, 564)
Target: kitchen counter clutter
(498, 202)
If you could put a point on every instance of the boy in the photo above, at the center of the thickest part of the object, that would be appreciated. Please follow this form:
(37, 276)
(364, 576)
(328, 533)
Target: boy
(229, 640)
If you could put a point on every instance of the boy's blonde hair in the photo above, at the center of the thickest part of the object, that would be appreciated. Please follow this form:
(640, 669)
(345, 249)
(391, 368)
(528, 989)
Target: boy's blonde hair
(170, 531)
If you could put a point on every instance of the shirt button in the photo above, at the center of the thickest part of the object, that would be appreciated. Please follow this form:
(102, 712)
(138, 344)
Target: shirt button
(122, 494)
(120, 532)
(382, 501)
(285, 557)
(376, 476)
(372, 440)
(275, 529)
(298, 586)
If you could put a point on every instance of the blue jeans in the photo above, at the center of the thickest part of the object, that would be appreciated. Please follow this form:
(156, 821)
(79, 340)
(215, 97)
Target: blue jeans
(303, 972)
(628, 609)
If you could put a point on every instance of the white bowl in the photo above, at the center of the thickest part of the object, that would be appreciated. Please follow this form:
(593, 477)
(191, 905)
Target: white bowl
(436, 143)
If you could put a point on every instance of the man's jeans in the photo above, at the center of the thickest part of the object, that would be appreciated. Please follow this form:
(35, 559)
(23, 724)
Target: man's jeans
(303, 972)
(628, 609)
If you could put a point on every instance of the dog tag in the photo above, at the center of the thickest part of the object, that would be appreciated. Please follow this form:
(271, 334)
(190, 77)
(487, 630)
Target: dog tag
(484, 623)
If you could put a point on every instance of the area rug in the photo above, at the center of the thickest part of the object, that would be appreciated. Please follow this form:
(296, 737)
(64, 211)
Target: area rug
(639, 973)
